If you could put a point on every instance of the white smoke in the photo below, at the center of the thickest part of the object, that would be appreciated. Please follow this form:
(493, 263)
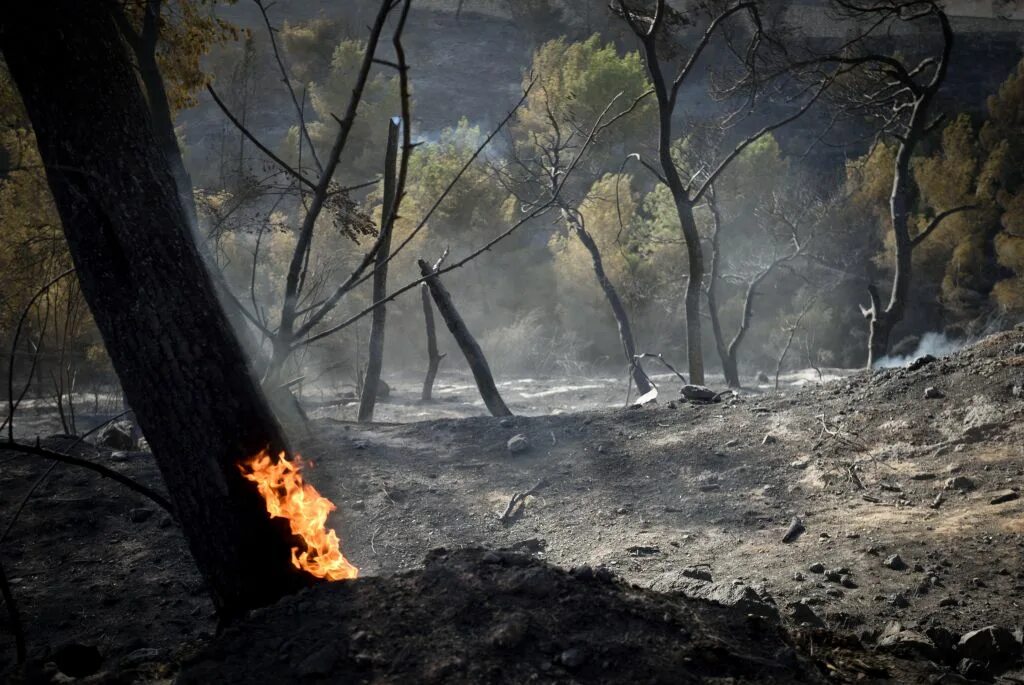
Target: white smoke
(935, 344)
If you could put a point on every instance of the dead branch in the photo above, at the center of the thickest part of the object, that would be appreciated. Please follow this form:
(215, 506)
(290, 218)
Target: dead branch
(518, 501)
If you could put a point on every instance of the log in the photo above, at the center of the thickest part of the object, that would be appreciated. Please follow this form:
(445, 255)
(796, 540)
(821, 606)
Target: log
(433, 356)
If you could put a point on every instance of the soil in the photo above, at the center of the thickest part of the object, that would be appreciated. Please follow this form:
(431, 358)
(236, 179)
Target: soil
(676, 500)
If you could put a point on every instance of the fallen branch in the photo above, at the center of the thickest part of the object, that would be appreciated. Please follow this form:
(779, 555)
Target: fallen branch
(515, 505)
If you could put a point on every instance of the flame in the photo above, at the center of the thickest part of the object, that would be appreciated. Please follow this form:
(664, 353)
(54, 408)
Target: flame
(289, 496)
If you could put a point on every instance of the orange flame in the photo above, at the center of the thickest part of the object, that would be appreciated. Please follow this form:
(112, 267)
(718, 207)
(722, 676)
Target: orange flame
(289, 496)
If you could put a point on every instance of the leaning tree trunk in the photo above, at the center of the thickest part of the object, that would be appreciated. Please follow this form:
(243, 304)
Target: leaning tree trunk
(433, 356)
(467, 343)
(181, 368)
(643, 385)
(378, 323)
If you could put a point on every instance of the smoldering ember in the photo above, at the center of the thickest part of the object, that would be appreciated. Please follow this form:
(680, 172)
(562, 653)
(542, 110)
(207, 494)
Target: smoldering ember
(504, 341)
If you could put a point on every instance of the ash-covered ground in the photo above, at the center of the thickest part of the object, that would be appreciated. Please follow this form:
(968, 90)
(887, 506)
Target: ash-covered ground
(909, 566)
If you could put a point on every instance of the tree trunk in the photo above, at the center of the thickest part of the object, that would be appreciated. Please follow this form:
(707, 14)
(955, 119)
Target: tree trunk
(433, 356)
(695, 259)
(643, 385)
(181, 368)
(375, 356)
(467, 343)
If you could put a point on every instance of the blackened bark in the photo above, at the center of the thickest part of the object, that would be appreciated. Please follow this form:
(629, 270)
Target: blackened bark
(467, 343)
(433, 356)
(643, 385)
(375, 358)
(181, 368)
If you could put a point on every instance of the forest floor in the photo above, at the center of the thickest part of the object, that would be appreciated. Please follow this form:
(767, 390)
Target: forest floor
(683, 498)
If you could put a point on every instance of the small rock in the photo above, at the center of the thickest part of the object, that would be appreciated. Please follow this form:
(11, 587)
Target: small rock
(140, 515)
(572, 658)
(932, 393)
(116, 436)
(920, 362)
(507, 422)
(77, 660)
(769, 439)
(1004, 496)
(908, 643)
(899, 600)
(518, 444)
(584, 572)
(961, 483)
(318, 664)
(763, 378)
(923, 476)
(895, 562)
(732, 443)
(848, 582)
(1017, 391)
(698, 572)
(973, 670)
(802, 614)
(949, 602)
(989, 644)
(798, 577)
(817, 567)
(796, 528)
(698, 393)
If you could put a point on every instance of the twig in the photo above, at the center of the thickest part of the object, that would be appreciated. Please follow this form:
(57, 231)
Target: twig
(518, 500)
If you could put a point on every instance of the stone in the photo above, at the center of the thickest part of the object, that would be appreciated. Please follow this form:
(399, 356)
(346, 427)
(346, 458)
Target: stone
(507, 422)
(1017, 391)
(961, 483)
(77, 660)
(140, 514)
(769, 439)
(899, 600)
(698, 572)
(518, 444)
(848, 582)
(895, 562)
(920, 362)
(802, 614)
(973, 670)
(1004, 496)
(932, 393)
(742, 597)
(572, 658)
(698, 393)
(949, 602)
(763, 378)
(116, 436)
(909, 643)
(816, 567)
(319, 664)
(991, 644)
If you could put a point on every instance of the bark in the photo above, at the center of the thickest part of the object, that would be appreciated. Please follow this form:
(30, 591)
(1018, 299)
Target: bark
(181, 368)
(643, 385)
(375, 357)
(467, 343)
(433, 356)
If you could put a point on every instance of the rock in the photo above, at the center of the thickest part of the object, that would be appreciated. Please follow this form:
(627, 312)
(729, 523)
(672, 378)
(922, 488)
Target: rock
(848, 582)
(1017, 391)
(909, 643)
(802, 614)
(507, 422)
(698, 572)
(319, 664)
(769, 439)
(742, 597)
(698, 393)
(518, 444)
(923, 476)
(973, 670)
(383, 390)
(116, 436)
(143, 655)
(949, 602)
(961, 483)
(732, 443)
(895, 562)
(932, 393)
(920, 362)
(816, 567)
(796, 528)
(572, 658)
(140, 515)
(899, 600)
(1004, 496)
(763, 378)
(77, 660)
(990, 644)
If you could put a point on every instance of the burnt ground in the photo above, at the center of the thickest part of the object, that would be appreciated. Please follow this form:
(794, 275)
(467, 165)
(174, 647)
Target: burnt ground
(681, 498)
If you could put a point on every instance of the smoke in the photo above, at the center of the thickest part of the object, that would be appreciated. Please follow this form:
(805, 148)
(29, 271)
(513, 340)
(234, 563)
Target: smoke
(935, 344)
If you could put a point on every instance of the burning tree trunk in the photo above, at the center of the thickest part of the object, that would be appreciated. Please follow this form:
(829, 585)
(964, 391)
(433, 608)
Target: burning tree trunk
(433, 356)
(375, 358)
(643, 385)
(467, 343)
(182, 369)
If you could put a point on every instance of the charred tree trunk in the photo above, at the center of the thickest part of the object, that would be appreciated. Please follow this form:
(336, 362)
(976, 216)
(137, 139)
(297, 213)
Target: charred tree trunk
(181, 368)
(467, 343)
(375, 356)
(730, 368)
(643, 385)
(433, 356)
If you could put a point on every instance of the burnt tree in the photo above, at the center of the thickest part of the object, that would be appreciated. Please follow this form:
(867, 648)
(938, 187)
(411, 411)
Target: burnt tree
(183, 371)
(467, 343)
(378, 321)
(433, 356)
